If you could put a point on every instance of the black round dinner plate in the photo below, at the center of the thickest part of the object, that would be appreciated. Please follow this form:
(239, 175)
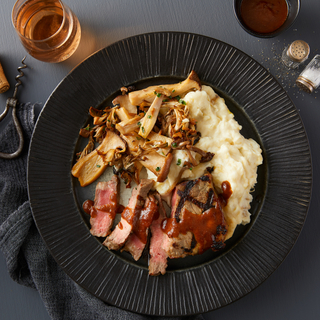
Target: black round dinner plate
(194, 284)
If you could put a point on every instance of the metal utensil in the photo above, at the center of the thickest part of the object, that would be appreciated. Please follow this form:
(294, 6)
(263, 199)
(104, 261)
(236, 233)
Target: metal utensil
(13, 103)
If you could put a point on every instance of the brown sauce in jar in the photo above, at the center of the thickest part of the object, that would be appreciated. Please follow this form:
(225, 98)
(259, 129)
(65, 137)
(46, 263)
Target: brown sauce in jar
(264, 16)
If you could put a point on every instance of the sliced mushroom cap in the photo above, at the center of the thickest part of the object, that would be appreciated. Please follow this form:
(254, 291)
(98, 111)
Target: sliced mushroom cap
(173, 90)
(123, 114)
(205, 156)
(153, 136)
(127, 126)
(124, 102)
(158, 164)
(91, 166)
(148, 94)
(149, 120)
(133, 141)
(151, 159)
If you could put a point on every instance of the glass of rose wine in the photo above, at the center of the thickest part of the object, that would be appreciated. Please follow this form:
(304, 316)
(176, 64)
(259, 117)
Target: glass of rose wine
(48, 29)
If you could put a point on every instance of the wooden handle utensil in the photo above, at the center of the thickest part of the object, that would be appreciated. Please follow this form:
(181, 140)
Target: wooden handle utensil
(4, 84)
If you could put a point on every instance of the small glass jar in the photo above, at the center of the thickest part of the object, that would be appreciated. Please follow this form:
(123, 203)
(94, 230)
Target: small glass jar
(296, 53)
(309, 78)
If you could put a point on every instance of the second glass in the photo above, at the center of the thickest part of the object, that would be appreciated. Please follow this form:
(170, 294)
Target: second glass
(48, 30)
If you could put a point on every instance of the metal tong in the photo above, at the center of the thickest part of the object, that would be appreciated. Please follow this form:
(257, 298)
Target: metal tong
(13, 103)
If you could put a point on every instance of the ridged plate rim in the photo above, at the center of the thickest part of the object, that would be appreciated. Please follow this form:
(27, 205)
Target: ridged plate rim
(235, 273)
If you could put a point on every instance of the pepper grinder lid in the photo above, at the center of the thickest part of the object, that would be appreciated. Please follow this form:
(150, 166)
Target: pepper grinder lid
(298, 51)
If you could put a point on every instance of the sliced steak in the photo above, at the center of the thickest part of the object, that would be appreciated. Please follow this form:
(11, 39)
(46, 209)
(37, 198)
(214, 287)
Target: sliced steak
(179, 246)
(197, 221)
(104, 207)
(129, 215)
(135, 246)
(138, 238)
(158, 254)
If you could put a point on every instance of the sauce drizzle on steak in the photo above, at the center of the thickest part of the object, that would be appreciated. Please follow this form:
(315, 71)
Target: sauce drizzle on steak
(196, 208)
(139, 236)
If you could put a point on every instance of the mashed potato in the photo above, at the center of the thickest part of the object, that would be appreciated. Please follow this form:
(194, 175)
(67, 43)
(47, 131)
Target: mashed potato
(235, 158)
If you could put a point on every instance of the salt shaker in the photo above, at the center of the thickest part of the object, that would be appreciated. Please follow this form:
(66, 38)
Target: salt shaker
(296, 53)
(309, 78)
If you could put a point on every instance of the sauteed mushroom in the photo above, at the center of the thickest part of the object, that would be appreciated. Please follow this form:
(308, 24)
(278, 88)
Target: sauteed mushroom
(142, 129)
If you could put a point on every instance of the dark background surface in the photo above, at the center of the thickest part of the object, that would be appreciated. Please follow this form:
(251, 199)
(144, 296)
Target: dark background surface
(293, 291)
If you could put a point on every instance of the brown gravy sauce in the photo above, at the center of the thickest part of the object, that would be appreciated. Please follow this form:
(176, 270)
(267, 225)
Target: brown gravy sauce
(111, 208)
(203, 226)
(87, 205)
(226, 192)
(140, 219)
(147, 215)
(264, 16)
(130, 215)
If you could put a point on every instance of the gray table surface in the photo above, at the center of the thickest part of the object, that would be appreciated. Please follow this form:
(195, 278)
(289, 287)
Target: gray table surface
(293, 291)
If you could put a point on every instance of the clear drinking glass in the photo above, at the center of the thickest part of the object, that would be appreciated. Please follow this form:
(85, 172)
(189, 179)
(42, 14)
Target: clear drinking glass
(48, 29)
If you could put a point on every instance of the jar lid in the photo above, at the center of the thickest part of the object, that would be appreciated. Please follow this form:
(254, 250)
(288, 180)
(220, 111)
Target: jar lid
(298, 51)
(304, 84)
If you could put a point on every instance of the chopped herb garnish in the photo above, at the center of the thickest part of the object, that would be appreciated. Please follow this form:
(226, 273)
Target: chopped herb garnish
(108, 120)
(173, 90)
(158, 169)
(173, 144)
(155, 92)
(164, 100)
(142, 129)
(87, 127)
(98, 166)
(149, 117)
(158, 95)
(182, 102)
(139, 123)
(138, 138)
(177, 97)
(190, 169)
(178, 162)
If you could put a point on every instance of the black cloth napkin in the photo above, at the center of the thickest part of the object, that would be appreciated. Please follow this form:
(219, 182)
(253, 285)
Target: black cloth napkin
(28, 259)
